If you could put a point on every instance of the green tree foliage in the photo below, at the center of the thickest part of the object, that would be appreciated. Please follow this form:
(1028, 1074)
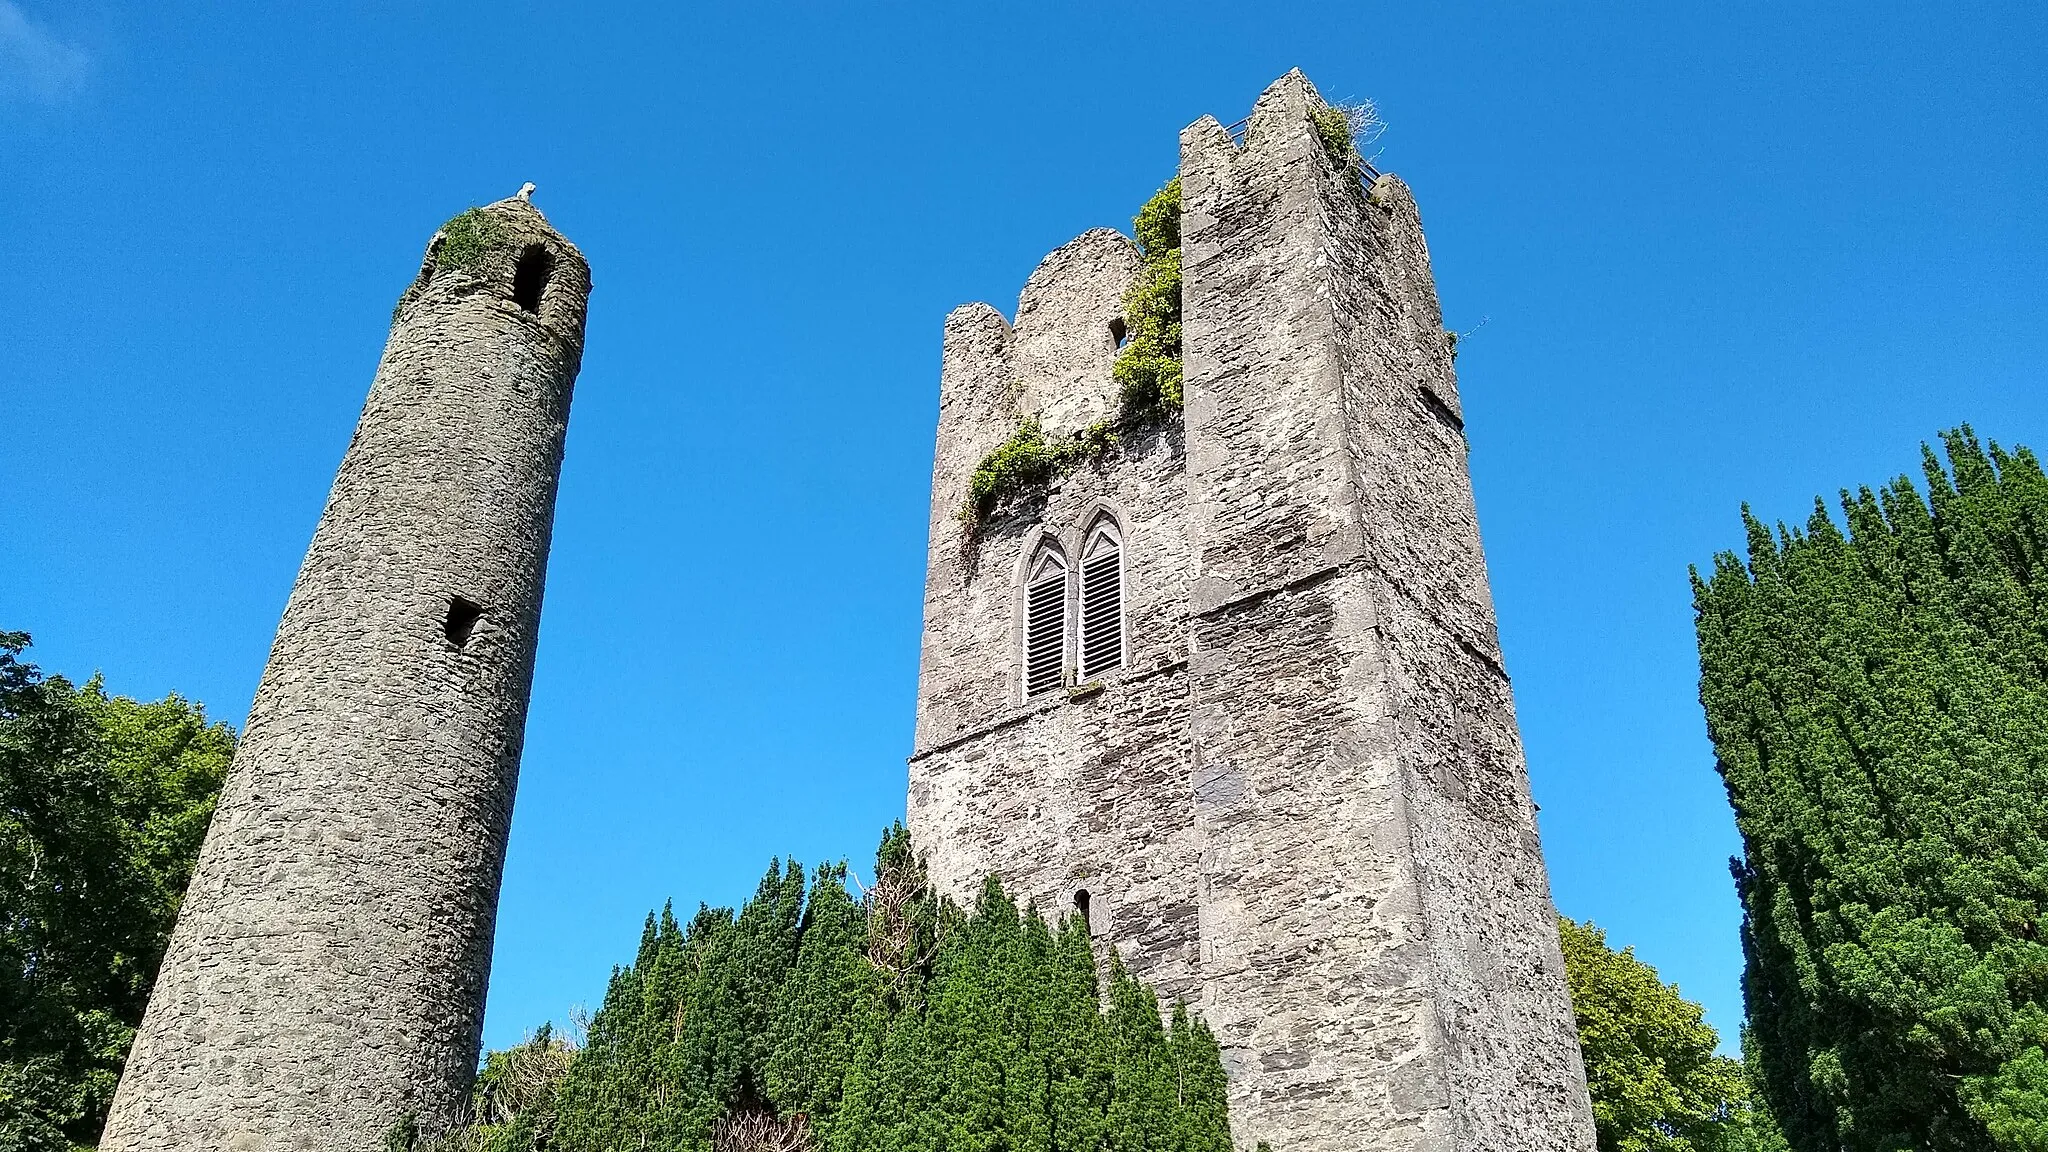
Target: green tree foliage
(889, 1022)
(1148, 367)
(103, 803)
(1878, 703)
(1657, 1084)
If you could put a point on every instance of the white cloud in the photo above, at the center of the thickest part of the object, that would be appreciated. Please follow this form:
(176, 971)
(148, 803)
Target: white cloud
(34, 63)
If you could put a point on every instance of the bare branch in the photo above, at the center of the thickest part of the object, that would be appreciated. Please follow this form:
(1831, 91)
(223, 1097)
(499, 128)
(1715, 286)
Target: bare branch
(758, 1130)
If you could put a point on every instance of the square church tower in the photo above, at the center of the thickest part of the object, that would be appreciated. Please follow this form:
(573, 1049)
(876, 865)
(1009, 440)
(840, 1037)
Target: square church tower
(1233, 691)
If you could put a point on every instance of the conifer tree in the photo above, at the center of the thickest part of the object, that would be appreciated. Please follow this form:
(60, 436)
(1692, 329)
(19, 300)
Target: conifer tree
(1878, 703)
(895, 1022)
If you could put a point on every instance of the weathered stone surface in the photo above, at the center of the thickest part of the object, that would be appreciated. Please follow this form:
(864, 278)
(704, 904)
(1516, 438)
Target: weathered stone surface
(326, 978)
(1313, 749)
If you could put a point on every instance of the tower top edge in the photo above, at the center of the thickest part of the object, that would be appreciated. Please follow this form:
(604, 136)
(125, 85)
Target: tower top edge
(1091, 248)
(528, 224)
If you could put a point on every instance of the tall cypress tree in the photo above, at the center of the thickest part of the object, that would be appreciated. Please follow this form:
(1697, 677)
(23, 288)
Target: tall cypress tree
(891, 1023)
(1878, 702)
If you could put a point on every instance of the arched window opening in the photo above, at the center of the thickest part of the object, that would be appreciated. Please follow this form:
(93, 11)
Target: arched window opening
(1045, 622)
(530, 278)
(1081, 910)
(1102, 601)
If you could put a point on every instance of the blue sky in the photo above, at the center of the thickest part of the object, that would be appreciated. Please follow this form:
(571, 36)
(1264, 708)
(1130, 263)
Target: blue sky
(1723, 253)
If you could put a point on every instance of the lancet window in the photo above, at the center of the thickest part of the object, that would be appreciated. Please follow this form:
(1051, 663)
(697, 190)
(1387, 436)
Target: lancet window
(1102, 600)
(1045, 621)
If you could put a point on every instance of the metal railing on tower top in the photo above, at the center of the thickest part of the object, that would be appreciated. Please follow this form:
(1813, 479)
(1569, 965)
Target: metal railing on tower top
(1367, 173)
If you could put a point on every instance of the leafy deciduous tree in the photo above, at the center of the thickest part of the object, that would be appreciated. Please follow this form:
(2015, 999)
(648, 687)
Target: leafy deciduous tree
(103, 804)
(1657, 1083)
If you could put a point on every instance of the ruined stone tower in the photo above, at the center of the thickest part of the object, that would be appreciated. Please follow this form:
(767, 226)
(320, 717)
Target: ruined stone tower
(326, 978)
(1234, 692)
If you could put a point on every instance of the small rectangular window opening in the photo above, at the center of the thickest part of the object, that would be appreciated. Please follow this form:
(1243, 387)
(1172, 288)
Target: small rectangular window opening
(1081, 910)
(1117, 332)
(462, 618)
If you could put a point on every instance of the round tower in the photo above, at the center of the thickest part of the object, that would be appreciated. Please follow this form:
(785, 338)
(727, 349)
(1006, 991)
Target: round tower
(324, 987)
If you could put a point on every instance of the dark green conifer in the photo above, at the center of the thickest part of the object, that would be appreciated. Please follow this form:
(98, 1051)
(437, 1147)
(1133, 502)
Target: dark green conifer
(1878, 703)
(892, 1023)
(826, 1012)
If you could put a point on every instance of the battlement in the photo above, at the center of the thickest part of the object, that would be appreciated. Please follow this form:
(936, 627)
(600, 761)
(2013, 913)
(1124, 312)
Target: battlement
(1233, 692)
(1053, 362)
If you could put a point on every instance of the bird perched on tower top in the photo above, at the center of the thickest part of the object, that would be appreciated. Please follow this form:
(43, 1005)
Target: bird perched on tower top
(525, 192)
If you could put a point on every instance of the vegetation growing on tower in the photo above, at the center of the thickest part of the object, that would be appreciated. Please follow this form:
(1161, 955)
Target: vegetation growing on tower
(1148, 366)
(466, 240)
(1878, 703)
(1346, 130)
(1147, 372)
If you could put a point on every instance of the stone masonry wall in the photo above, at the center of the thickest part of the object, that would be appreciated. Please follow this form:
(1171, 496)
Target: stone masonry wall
(327, 975)
(1304, 802)
(1379, 954)
(1066, 793)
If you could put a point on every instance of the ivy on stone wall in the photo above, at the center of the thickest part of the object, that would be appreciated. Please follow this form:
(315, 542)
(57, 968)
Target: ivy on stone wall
(1148, 367)
(1028, 460)
(1147, 372)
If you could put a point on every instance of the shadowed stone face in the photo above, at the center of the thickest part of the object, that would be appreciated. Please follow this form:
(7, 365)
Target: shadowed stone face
(1301, 806)
(326, 978)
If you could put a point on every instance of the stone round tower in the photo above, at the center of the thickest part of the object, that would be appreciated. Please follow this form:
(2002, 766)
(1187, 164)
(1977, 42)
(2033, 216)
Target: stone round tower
(325, 983)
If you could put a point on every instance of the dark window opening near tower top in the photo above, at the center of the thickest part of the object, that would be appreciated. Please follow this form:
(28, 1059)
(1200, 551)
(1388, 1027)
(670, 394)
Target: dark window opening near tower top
(1081, 910)
(462, 618)
(530, 278)
(1117, 332)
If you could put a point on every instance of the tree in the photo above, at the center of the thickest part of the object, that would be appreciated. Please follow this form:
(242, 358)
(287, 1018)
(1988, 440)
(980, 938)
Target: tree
(103, 804)
(894, 1022)
(1656, 1081)
(1877, 697)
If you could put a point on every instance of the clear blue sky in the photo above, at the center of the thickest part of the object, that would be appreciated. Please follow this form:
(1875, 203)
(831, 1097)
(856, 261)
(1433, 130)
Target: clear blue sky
(1744, 254)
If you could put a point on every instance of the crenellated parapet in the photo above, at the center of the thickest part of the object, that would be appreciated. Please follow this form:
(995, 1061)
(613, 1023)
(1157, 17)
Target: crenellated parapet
(1299, 800)
(1051, 367)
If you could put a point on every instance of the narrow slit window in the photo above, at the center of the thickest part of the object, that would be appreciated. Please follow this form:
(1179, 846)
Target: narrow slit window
(1045, 623)
(1102, 603)
(1081, 909)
